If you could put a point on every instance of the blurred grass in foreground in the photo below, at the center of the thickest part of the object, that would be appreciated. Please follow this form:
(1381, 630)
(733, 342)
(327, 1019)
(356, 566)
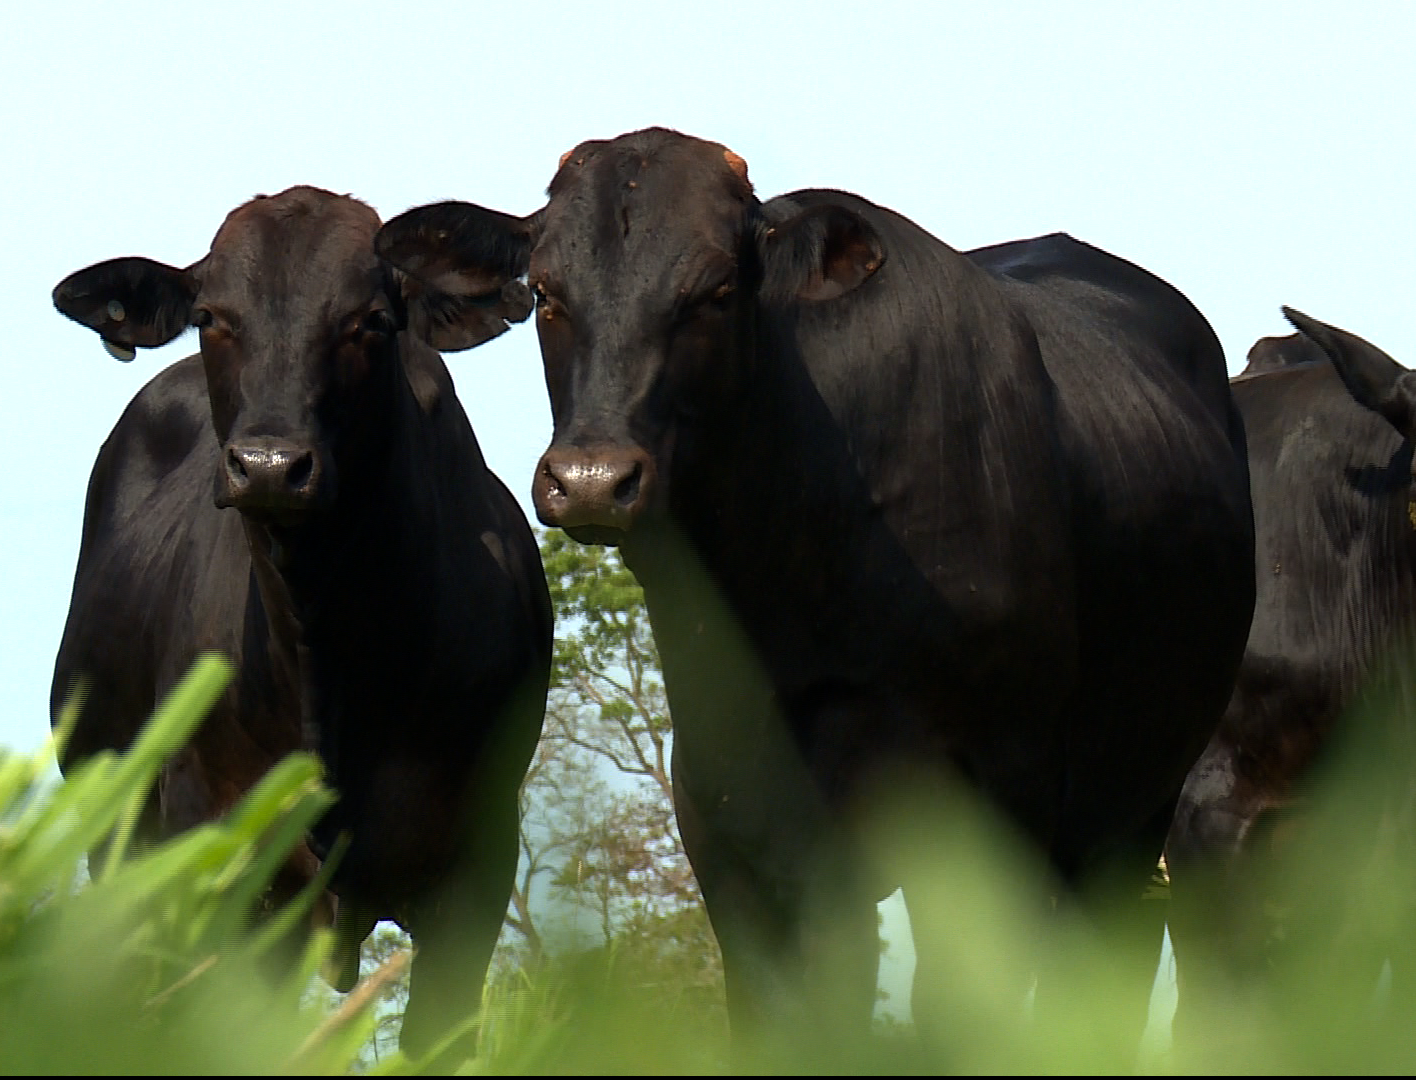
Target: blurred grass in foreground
(151, 966)
(154, 967)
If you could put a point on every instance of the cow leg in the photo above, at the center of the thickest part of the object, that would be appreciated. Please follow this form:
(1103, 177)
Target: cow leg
(455, 932)
(1117, 902)
(800, 970)
(966, 898)
(799, 940)
(353, 922)
(1212, 872)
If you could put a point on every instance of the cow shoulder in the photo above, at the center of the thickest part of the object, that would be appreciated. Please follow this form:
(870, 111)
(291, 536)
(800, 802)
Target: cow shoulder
(166, 424)
(513, 547)
(1103, 287)
(1111, 323)
(149, 493)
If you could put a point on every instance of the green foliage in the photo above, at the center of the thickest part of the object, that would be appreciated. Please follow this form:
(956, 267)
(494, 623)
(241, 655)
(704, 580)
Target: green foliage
(1309, 924)
(380, 954)
(604, 1010)
(598, 825)
(645, 996)
(603, 640)
(153, 966)
(156, 965)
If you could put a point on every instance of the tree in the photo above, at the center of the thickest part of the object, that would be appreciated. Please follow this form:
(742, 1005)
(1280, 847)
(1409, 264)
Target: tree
(380, 947)
(603, 870)
(598, 818)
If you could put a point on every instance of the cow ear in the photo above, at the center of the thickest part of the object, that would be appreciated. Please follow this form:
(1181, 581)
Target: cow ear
(460, 268)
(131, 303)
(450, 322)
(1373, 378)
(819, 254)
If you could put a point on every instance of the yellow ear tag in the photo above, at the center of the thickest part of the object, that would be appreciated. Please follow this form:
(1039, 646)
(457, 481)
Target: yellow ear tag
(124, 353)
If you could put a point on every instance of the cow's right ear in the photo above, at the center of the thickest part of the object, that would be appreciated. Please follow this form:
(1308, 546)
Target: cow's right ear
(461, 267)
(1373, 378)
(131, 303)
(818, 254)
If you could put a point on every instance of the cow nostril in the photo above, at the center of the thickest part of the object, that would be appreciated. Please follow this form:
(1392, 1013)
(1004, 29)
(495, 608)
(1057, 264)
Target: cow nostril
(627, 490)
(553, 482)
(235, 467)
(300, 471)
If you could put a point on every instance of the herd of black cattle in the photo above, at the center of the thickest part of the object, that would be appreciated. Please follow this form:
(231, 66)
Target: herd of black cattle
(901, 514)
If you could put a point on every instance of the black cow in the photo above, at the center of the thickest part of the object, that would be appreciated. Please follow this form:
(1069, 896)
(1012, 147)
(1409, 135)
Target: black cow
(1330, 419)
(897, 512)
(307, 497)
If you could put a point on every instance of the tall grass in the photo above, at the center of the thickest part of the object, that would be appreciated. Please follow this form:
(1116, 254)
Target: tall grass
(152, 966)
(157, 966)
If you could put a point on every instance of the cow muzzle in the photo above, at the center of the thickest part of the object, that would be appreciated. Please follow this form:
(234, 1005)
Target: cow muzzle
(269, 477)
(602, 488)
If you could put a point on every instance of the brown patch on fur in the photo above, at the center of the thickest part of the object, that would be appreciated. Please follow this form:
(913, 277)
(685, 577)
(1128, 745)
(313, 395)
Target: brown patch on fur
(737, 164)
(564, 158)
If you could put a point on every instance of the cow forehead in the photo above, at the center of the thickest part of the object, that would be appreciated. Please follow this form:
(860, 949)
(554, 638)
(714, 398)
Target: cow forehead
(303, 202)
(658, 145)
(304, 236)
(654, 194)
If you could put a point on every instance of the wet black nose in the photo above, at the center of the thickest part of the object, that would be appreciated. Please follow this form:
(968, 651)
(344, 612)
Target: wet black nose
(604, 486)
(269, 475)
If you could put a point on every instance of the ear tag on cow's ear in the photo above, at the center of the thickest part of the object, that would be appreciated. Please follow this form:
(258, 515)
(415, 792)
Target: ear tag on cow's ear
(116, 313)
(119, 352)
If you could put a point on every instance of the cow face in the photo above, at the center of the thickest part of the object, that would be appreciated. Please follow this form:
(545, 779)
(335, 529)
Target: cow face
(651, 264)
(1373, 378)
(299, 324)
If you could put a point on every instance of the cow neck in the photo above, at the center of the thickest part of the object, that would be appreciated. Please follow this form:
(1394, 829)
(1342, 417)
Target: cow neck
(309, 576)
(778, 488)
(772, 453)
(287, 649)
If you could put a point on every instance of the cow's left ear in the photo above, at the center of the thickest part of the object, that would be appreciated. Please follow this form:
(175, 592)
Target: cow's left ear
(460, 268)
(1373, 378)
(131, 303)
(819, 254)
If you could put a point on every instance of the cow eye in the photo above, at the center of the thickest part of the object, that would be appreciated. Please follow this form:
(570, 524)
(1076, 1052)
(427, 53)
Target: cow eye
(202, 319)
(547, 306)
(379, 321)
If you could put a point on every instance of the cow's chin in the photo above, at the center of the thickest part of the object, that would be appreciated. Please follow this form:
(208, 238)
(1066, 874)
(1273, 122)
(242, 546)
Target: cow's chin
(284, 523)
(603, 535)
(279, 532)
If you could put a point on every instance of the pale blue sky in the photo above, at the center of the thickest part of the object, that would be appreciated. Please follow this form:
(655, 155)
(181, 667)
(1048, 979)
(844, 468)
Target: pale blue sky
(1252, 154)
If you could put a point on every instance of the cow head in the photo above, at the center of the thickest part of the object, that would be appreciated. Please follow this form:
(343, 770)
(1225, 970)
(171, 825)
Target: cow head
(650, 264)
(299, 323)
(1373, 378)
(1276, 353)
